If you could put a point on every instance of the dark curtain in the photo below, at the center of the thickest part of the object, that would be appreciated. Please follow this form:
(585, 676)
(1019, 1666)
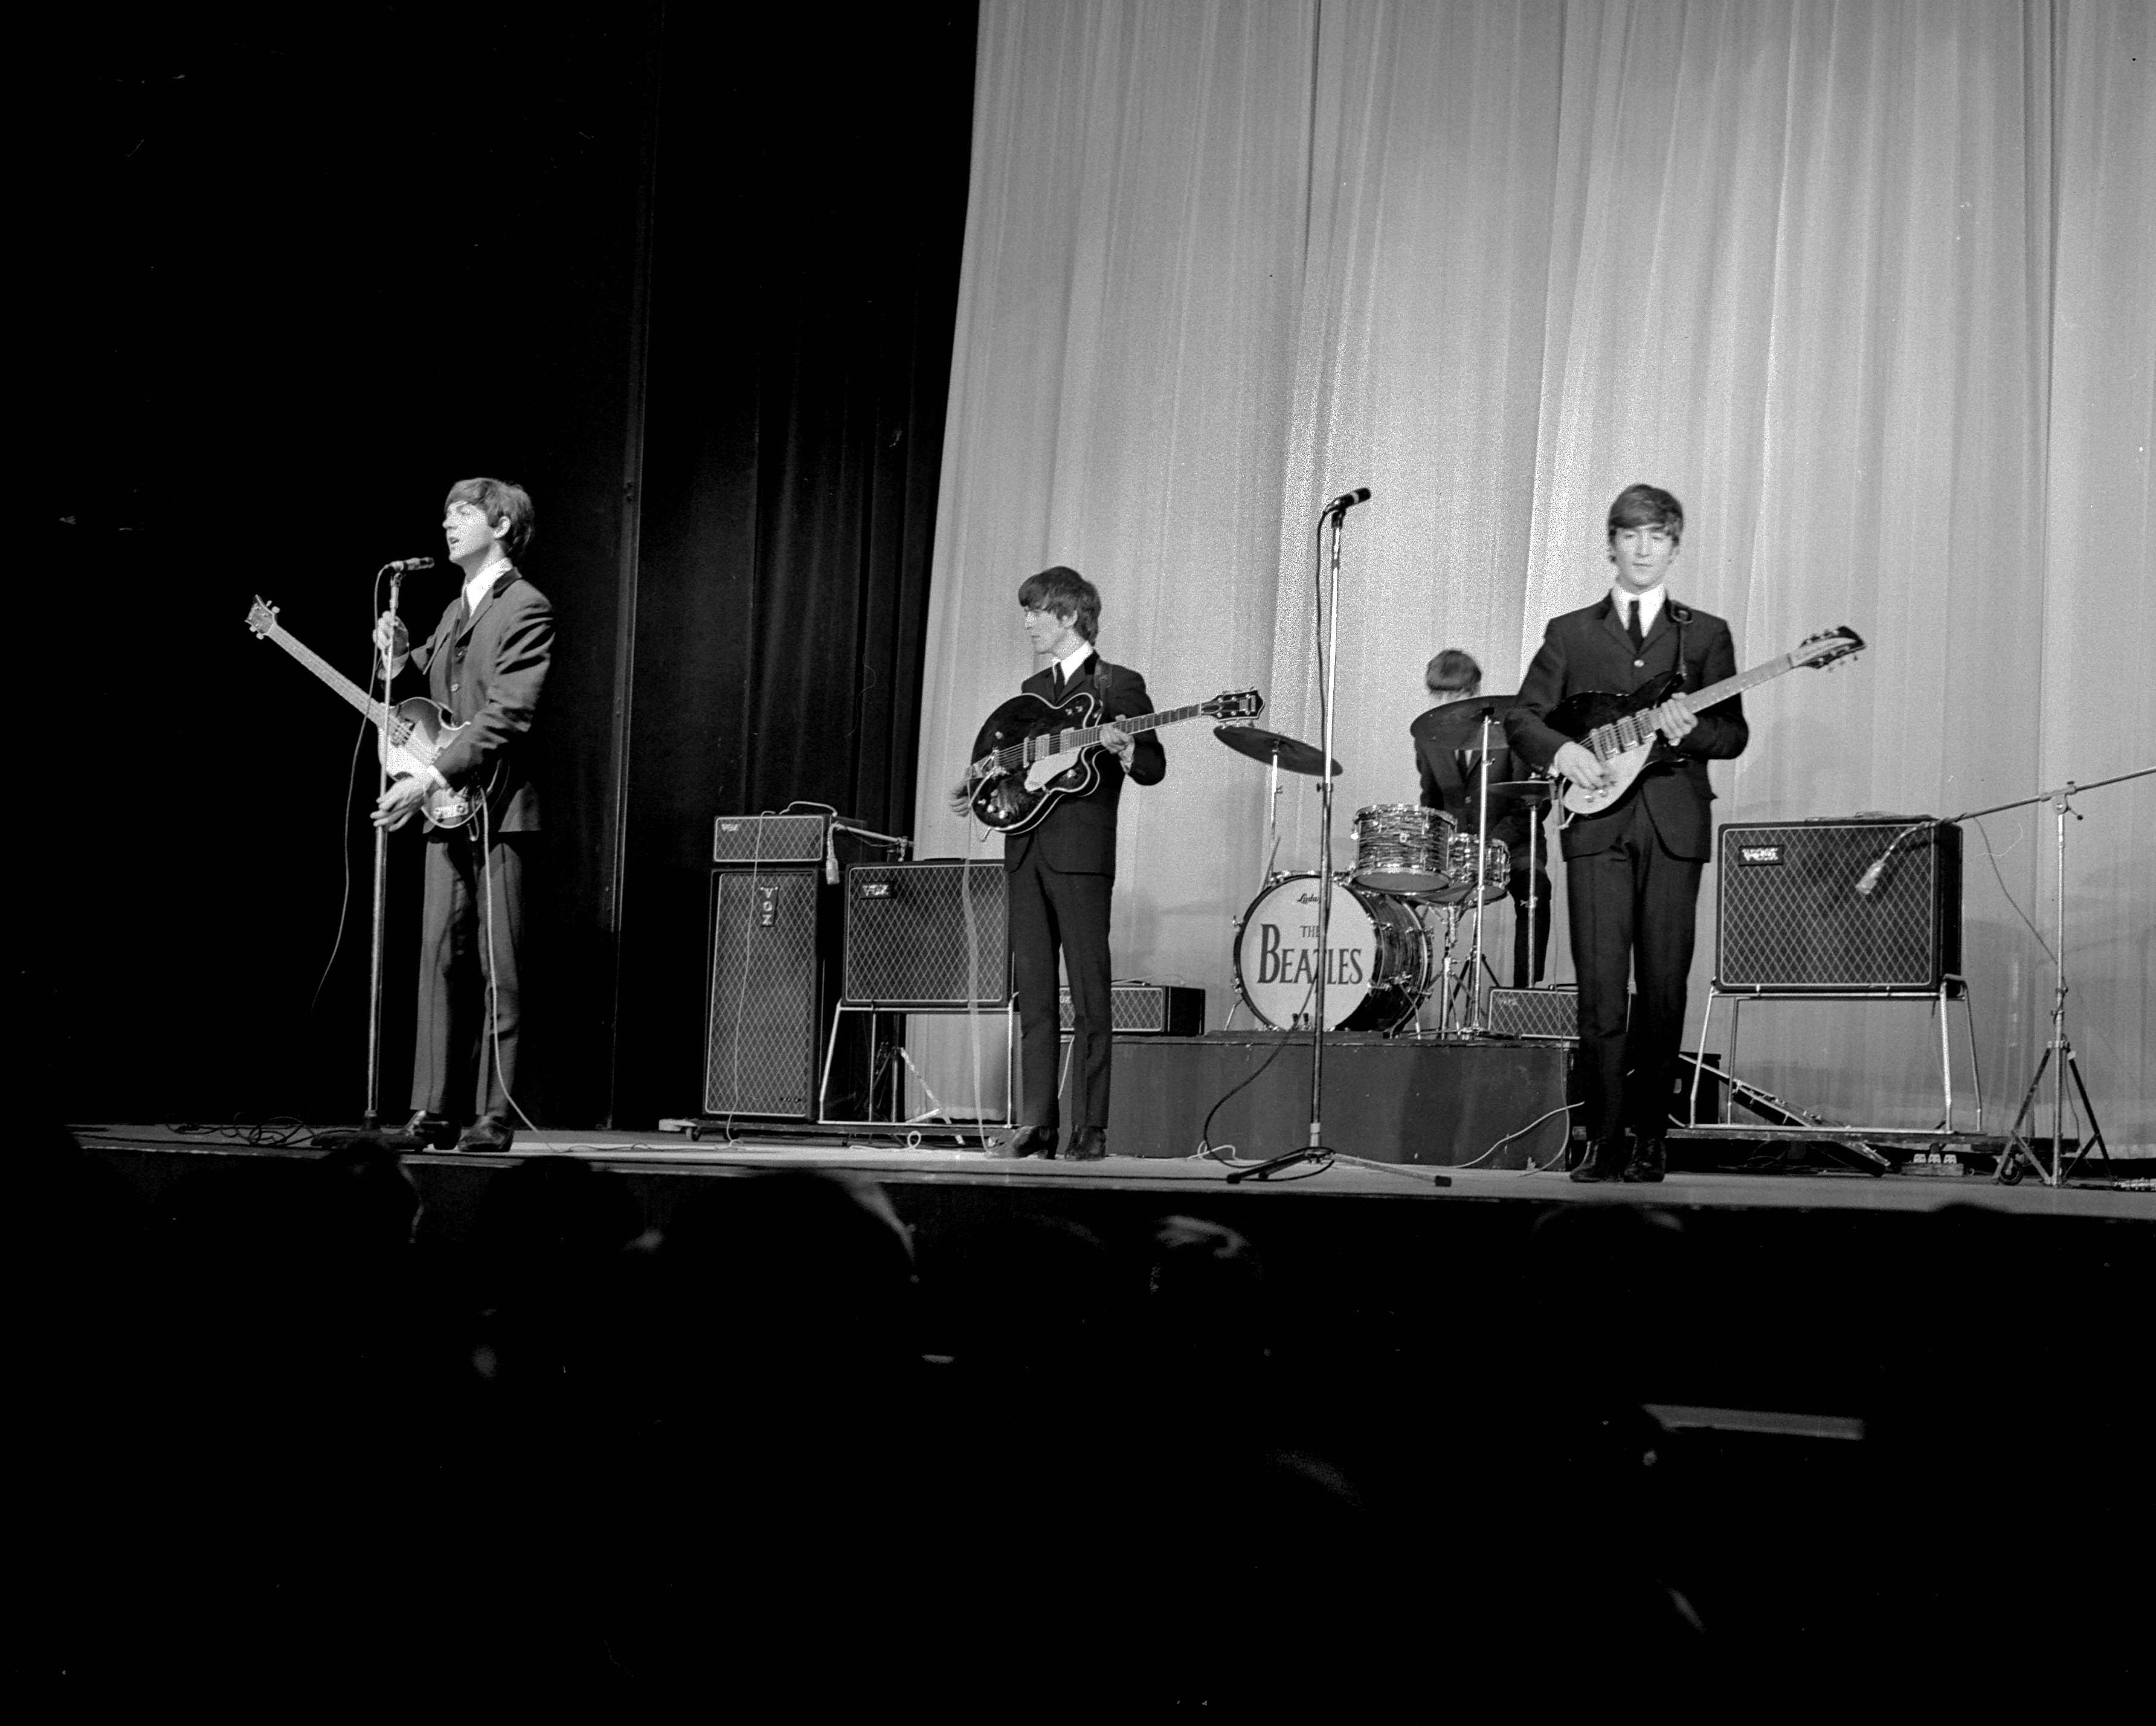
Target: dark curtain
(295, 276)
(810, 210)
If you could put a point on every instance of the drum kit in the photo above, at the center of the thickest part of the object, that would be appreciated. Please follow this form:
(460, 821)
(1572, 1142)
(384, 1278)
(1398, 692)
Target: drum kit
(1406, 913)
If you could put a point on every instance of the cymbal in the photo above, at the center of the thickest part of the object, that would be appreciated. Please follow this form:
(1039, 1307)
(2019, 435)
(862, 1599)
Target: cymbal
(1527, 790)
(1262, 745)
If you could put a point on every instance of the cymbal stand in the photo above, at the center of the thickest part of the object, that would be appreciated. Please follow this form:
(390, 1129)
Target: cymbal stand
(2059, 1054)
(1334, 514)
(371, 1116)
(1478, 1020)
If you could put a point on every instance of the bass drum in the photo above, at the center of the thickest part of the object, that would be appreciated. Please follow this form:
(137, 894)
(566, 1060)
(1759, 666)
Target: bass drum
(1381, 967)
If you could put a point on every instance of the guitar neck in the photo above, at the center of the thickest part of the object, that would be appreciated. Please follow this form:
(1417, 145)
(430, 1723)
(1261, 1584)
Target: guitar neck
(352, 693)
(1697, 701)
(1061, 742)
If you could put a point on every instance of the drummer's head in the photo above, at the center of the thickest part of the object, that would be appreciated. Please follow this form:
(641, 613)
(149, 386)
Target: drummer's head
(1646, 507)
(1453, 675)
(1065, 595)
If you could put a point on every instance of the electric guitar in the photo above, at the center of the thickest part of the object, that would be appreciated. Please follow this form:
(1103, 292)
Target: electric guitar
(411, 734)
(1054, 749)
(1622, 737)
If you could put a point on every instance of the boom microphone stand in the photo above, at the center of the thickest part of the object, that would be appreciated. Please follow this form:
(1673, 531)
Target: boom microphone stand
(2059, 1052)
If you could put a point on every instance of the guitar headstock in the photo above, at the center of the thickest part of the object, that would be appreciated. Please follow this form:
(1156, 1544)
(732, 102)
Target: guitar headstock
(1827, 646)
(261, 616)
(1237, 704)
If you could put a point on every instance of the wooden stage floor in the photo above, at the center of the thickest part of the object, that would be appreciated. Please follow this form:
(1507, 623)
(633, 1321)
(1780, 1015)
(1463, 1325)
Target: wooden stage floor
(1348, 1177)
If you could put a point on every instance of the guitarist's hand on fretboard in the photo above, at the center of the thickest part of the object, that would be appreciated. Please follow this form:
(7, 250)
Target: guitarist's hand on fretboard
(1673, 719)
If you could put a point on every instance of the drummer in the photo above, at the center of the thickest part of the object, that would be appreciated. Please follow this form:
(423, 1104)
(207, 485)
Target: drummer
(1448, 743)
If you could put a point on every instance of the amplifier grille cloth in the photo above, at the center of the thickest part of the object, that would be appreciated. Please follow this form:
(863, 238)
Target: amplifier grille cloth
(906, 934)
(760, 1050)
(1799, 924)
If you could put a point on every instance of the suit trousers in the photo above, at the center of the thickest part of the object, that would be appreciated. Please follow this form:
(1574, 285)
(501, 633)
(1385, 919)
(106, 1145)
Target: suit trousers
(1632, 914)
(471, 942)
(1049, 910)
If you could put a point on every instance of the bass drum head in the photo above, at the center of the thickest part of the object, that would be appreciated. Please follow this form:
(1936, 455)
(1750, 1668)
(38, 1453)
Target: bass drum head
(1380, 968)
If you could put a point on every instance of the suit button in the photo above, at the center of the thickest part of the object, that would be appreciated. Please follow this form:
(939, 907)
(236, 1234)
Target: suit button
(455, 687)
(1636, 664)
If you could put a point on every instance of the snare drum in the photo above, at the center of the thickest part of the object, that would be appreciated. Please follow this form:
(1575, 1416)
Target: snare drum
(1381, 967)
(1400, 848)
(1460, 881)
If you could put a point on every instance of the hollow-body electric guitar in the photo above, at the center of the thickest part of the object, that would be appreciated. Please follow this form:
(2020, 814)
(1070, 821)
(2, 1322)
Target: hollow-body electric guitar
(1620, 731)
(411, 734)
(1054, 748)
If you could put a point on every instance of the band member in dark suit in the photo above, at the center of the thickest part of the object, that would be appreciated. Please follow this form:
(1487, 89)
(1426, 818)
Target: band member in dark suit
(1632, 872)
(486, 662)
(1060, 875)
(1449, 744)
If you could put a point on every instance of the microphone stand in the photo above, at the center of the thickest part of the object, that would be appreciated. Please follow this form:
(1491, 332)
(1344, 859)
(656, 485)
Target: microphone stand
(1478, 1017)
(2059, 1053)
(370, 1118)
(1315, 1151)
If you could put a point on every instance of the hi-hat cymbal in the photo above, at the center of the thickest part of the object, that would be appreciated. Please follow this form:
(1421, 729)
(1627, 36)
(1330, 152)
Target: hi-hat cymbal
(1261, 745)
(1527, 790)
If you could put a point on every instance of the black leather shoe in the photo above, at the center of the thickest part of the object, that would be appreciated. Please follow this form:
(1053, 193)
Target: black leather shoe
(1028, 1141)
(1088, 1145)
(1649, 1158)
(422, 1133)
(1605, 1162)
(490, 1133)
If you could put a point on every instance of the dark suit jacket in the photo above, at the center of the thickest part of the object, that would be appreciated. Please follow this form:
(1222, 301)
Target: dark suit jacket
(1588, 650)
(1078, 836)
(488, 670)
(1440, 736)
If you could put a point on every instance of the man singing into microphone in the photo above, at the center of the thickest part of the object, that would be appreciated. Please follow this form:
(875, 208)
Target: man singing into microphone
(1632, 871)
(486, 662)
(1060, 875)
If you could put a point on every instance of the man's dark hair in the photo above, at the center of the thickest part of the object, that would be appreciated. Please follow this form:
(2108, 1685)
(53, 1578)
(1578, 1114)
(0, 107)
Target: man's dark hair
(1453, 672)
(498, 498)
(1646, 507)
(1068, 595)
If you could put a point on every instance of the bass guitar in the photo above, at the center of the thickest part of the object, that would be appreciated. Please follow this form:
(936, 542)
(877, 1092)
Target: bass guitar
(1054, 751)
(1620, 732)
(411, 734)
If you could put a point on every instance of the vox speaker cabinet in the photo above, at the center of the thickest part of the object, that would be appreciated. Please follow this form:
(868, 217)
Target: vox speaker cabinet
(910, 929)
(1158, 1009)
(1870, 903)
(764, 1017)
(1535, 1016)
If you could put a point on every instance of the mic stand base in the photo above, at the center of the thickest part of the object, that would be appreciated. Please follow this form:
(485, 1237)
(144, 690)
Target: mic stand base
(1287, 1159)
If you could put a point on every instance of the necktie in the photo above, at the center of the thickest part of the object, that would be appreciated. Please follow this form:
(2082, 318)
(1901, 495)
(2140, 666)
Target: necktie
(1632, 623)
(1058, 683)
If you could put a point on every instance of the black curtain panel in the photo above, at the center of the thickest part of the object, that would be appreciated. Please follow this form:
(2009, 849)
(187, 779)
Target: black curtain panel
(809, 212)
(294, 277)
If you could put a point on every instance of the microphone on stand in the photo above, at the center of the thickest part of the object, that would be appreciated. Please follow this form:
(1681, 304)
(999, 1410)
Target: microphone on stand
(1347, 500)
(405, 565)
(1867, 883)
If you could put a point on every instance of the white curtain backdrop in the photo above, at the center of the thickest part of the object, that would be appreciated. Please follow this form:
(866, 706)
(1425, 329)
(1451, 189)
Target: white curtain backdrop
(1867, 284)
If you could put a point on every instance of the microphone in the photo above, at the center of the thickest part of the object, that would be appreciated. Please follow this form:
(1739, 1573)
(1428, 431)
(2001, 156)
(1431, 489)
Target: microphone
(405, 565)
(1347, 500)
(1867, 883)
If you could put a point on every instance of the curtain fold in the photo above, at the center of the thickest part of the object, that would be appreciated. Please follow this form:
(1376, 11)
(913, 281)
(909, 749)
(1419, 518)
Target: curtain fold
(1864, 283)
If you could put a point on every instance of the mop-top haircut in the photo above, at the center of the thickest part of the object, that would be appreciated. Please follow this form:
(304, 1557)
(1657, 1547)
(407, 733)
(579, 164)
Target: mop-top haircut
(499, 498)
(1646, 507)
(1068, 595)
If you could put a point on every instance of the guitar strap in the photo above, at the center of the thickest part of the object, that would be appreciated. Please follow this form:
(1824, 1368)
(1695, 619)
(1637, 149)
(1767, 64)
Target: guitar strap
(1680, 614)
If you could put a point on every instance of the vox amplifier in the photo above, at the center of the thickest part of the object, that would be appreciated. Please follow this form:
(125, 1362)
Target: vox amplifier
(1838, 907)
(1151, 1008)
